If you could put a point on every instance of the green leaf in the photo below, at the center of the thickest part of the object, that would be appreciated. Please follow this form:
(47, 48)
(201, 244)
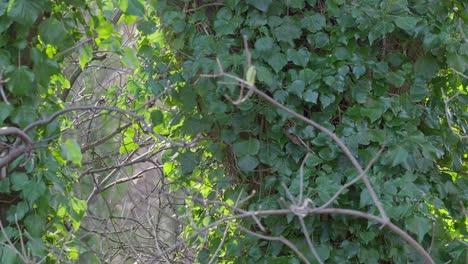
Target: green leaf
(19, 180)
(313, 23)
(188, 161)
(399, 156)
(310, 96)
(33, 190)
(406, 22)
(157, 117)
(419, 226)
(53, 32)
(250, 75)
(264, 44)
(299, 57)
(396, 79)
(246, 147)
(277, 61)
(359, 70)
(104, 29)
(5, 111)
(261, 5)
(26, 11)
(86, 55)
(426, 67)
(297, 88)
(35, 224)
(130, 58)
(457, 62)
(132, 7)
(21, 81)
(247, 163)
(71, 151)
(264, 75)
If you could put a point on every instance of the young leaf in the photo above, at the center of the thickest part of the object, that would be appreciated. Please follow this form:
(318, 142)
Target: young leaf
(250, 75)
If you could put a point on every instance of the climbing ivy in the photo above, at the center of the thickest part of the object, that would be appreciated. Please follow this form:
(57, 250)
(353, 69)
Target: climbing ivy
(378, 74)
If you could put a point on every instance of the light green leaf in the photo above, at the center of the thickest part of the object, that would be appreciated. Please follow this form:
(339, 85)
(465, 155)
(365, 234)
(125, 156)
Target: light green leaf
(130, 58)
(406, 22)
(71, 151)
(250, 75)
(86, 55)
(104, 29)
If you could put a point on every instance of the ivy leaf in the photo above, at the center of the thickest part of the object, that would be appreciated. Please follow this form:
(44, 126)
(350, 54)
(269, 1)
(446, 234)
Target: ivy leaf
(406, 22)
(247, 163)
(418, 225)
(5, 111)
(264, 44)
(261, 5)
(313, 23)
(26, 11)
(264, 75)
(157, 117)
(132, 7)
(188, 162)
(297, 87)
(395, 78)
(86, 55)
(71, 151)
(426, 67)
(53, 32)
(21, 81)
(457, 62)
(246, 147)
(277, 61)
(35, 224)
(310, 96)
(399, 156)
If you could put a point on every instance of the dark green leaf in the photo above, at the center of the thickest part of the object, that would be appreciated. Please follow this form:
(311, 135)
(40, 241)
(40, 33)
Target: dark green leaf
(247, 163)
(277, 61)
(21, 81)
(419, 226)
(246, 147)
(313, 23)
(261, 5)
(188, 162)
(406, 23)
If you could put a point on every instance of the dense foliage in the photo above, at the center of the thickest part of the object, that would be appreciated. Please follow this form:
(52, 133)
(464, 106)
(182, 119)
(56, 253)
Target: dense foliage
(388, 78)
(376, 73)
